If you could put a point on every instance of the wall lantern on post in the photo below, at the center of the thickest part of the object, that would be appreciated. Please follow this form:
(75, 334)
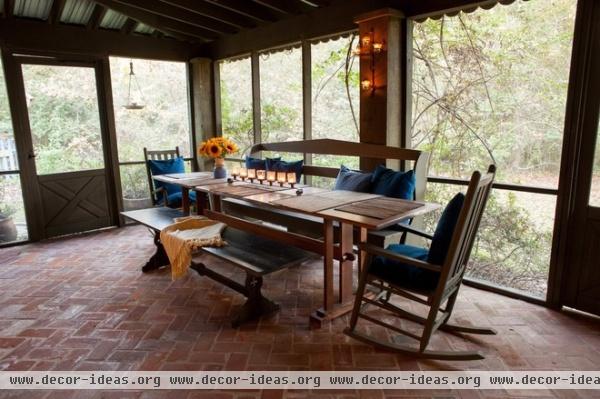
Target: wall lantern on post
(368, 47)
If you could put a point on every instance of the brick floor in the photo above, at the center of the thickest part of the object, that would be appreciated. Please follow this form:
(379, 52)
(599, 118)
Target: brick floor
(82, 304)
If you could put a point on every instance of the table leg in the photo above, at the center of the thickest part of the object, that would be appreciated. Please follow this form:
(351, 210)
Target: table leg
(159, 259)
(185, 200)
(346, 263)
(318, 317)
(201, 202)
(362, 255)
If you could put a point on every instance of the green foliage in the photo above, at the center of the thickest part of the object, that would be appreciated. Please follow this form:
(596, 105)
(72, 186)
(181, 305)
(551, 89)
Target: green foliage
(490, 87)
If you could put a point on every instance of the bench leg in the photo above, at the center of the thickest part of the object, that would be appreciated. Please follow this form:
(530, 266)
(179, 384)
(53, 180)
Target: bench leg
(256, 305)
(159, 259)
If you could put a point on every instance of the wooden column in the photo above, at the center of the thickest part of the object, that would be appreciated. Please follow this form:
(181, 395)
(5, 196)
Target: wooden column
(307, 100)
(381, 106)
(202, 106)
(256, 117)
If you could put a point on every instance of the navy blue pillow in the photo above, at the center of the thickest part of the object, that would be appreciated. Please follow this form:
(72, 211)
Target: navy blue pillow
(258, 163)
(403, 274)
(445, 230)
(165, 167)
(393, 184)
(353, 180)
(285, 166)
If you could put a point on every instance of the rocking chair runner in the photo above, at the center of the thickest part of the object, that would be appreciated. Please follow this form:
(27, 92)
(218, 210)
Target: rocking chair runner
(409, 272)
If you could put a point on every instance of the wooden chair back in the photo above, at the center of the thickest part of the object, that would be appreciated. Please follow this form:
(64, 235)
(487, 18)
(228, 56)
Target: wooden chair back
(157, 156)
(419, 159)
(465, 231)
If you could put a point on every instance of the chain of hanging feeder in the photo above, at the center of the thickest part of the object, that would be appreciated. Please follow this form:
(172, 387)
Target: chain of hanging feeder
(132, 77)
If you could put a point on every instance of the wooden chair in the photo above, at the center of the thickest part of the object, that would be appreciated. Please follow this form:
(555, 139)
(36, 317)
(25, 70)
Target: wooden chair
(443, 293)
(156, 193)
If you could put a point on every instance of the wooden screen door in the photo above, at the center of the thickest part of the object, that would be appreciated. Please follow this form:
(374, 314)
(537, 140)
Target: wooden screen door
(581, 272)
(66, 148)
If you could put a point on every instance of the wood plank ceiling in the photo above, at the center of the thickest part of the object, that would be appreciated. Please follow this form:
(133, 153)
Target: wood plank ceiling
(190, 27)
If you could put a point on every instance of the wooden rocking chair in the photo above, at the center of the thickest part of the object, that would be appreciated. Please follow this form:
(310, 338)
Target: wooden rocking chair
(433, 284)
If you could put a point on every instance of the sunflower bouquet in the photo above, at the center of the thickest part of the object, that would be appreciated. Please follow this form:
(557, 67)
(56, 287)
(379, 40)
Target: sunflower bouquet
(217, 147)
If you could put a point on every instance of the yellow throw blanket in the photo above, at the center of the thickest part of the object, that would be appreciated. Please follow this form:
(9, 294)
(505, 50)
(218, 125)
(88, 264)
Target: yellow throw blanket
(186, 235)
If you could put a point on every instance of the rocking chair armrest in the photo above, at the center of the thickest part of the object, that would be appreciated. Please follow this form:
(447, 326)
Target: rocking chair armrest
(414, 231)
(375, 250)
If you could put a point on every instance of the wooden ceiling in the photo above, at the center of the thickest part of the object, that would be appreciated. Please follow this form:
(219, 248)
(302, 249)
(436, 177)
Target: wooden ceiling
(178, 29)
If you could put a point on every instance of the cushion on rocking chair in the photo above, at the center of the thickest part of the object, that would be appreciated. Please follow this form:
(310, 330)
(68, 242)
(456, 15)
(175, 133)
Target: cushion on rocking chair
(404, 275)
(175, 200)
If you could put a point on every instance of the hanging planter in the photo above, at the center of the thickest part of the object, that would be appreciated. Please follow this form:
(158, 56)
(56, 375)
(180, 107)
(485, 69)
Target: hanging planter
(131, 103)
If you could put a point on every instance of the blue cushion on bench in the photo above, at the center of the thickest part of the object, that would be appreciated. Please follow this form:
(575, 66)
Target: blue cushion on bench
(259, 163)
(445, 229)
(285, 166)
(165, 167)
(402, 274)
(353, 180)
(393, 184)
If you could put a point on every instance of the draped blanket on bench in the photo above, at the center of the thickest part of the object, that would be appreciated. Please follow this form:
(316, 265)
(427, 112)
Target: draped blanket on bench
(187, 235)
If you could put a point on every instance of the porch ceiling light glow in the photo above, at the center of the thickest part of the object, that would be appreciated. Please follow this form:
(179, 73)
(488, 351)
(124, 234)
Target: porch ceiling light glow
(132, 104)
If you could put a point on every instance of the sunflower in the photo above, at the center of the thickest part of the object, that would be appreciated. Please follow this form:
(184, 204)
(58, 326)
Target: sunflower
(214, 150)
(231, 147)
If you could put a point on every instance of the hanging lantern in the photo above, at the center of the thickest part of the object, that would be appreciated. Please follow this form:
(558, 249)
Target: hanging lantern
(131, 102)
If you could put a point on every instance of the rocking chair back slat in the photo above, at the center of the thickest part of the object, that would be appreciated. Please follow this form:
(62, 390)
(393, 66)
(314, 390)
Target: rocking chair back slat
(157, 155)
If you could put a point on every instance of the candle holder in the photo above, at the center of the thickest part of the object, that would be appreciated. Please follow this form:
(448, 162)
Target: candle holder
(235, 172)
(261, 175)
(281, 178)
(251, 175)
(243, 173)
(291, 179)
(271, 177)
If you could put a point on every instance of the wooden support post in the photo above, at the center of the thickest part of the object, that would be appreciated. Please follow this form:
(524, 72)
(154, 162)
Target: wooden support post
(256, 117)
(202, 106)
(307, 101)
(346, 263)
(381, 104)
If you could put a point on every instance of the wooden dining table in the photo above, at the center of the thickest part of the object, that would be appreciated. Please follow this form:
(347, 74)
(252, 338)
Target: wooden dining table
(346, 211)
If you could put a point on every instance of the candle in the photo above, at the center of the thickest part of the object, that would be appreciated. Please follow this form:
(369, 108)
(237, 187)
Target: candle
(235, 172)
(271, 176)
(291, 178)
(261, 175)
(281, 178)
(251, 174)
(243, 173)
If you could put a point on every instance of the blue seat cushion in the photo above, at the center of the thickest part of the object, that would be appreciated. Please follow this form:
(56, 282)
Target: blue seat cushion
(353, 180)
(285, 166)
(445, 229)
(165, 167)
(404, 275)
(175, 200)
(259, 163)
(393, 184)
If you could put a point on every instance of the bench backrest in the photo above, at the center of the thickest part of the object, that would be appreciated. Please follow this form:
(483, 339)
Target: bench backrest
(419, 159)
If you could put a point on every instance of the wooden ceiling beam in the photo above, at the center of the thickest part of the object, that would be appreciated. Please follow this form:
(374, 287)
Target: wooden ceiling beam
(22, 35)
(247, 8)
(171, 27)
(286, 7)
(56, 11)
(326, 21)
(7, 12)
(128, 26)
(181, 15)
(317, 3)
(96, 17)
(213, 11)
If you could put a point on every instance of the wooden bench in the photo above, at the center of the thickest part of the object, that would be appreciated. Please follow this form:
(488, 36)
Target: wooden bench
(407, 158)
(255, 255)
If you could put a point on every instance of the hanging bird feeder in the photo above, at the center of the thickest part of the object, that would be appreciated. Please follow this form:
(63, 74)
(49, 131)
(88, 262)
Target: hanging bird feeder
(131, 102)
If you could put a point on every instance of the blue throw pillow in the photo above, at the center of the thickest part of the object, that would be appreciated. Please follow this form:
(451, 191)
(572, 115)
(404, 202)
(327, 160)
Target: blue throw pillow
(402, 274)
(165, 167)
(353, 180)
(259, 163)
(393, 184)
(285, 166)
(444, 230)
